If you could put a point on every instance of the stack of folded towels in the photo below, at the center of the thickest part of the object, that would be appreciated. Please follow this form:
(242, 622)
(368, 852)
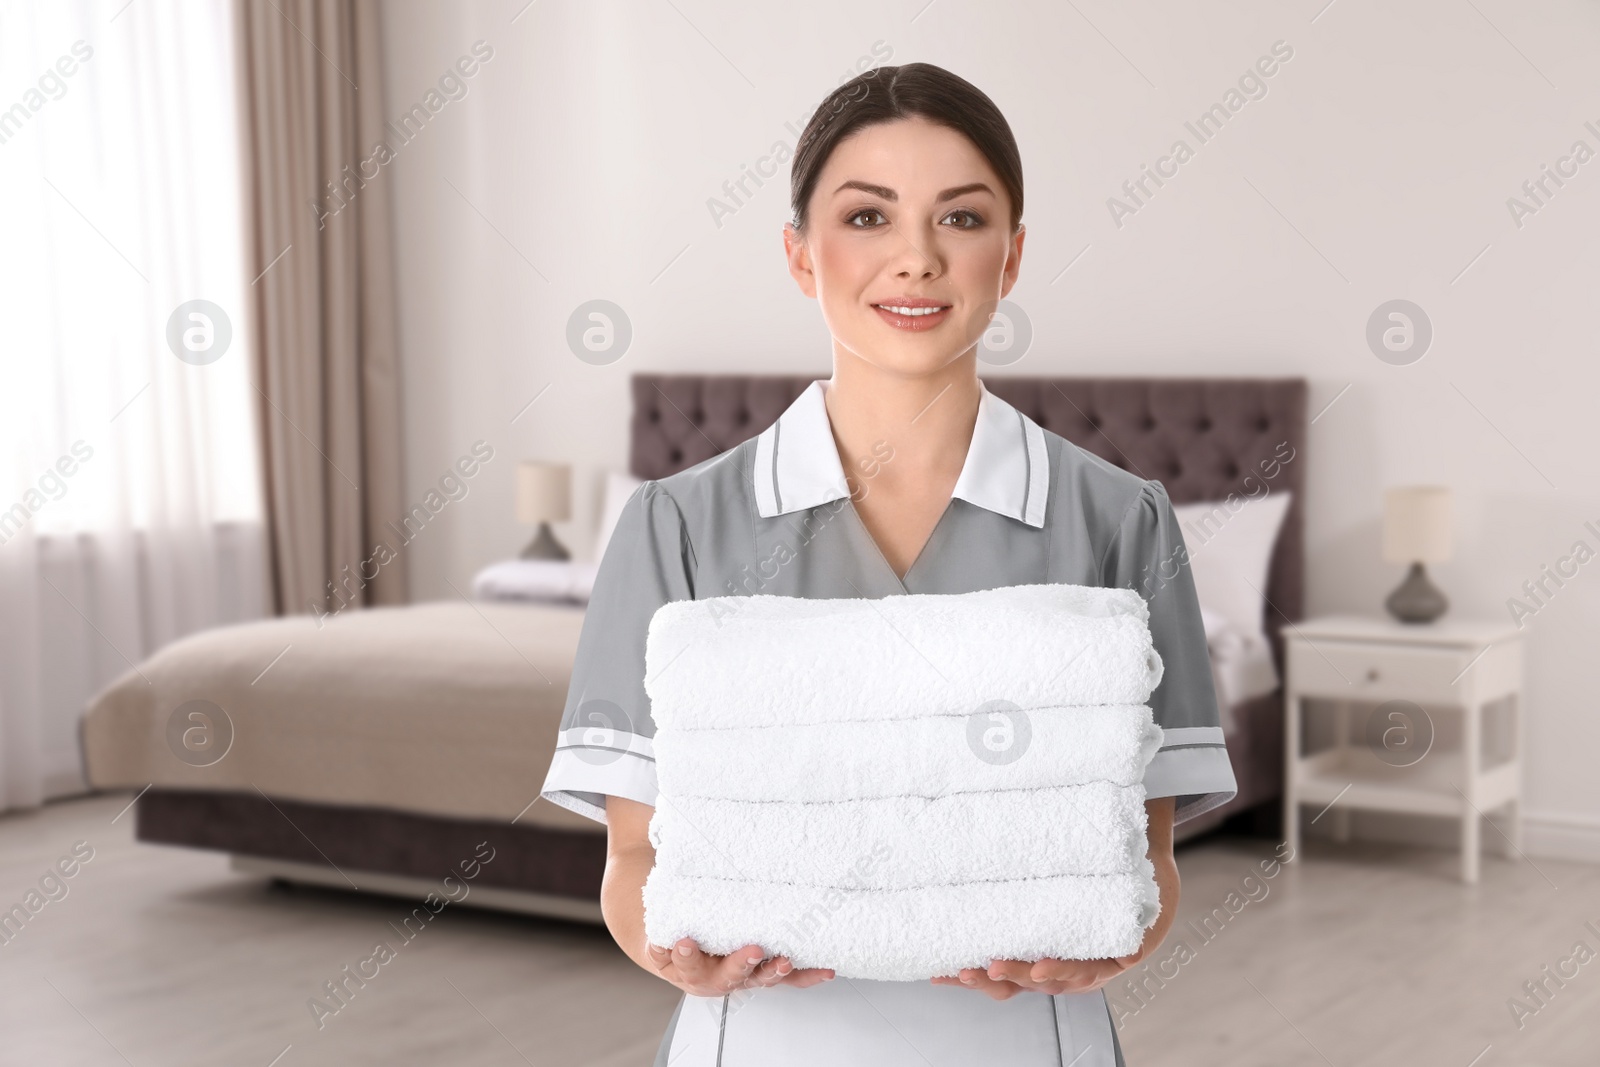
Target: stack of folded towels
(899, 788)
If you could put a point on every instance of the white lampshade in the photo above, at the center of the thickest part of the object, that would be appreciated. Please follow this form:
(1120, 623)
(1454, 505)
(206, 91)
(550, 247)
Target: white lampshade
(544, 492)
(1416, 524)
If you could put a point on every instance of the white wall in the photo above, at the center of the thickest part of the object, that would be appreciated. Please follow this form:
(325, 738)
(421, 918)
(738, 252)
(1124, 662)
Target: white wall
(1378, 165)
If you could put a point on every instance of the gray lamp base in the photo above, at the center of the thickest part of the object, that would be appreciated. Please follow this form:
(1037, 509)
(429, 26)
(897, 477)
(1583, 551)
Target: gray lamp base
(1416, 599)
(545, 546)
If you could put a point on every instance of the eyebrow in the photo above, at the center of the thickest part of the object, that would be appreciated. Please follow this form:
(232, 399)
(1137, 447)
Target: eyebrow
(890, 195)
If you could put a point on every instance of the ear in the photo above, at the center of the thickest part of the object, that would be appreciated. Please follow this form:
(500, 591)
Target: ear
(1008, 277)
(799, 257)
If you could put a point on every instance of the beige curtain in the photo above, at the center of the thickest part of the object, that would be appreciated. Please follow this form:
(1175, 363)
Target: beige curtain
(327, 374)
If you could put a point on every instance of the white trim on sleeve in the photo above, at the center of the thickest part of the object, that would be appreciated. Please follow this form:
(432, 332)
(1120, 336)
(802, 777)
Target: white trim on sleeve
(600, 738)
(573, 802)
(1191, 760)
(631, 774)
(1183, 736)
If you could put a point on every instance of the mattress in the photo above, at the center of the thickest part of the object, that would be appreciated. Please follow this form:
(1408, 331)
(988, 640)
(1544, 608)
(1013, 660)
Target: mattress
(443, 708)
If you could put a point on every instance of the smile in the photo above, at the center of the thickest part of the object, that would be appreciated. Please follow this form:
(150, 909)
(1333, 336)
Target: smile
(912, 318)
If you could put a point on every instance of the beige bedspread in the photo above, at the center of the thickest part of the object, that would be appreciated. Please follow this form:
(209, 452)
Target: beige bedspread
(444, 708)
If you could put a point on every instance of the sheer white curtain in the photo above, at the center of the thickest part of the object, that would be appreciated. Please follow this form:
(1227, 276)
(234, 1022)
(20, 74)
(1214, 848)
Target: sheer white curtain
(130, 508)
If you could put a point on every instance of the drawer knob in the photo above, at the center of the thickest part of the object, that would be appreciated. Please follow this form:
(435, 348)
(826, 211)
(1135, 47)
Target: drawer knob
(1372, 674)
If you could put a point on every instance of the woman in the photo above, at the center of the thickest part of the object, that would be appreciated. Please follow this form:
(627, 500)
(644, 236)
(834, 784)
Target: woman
(900, 474)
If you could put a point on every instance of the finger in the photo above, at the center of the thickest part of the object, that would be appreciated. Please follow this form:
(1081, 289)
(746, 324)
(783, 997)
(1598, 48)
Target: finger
(772, 971)
(977, 978)
(735, 969)
(1089, 975)
(809, 976)
(1016, 971)
(973, 976)
(692, 964)
(660, 956)
(997, 989)
(1057, 970)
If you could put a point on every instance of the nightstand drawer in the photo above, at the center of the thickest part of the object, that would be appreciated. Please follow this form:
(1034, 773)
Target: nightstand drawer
(1353, 669)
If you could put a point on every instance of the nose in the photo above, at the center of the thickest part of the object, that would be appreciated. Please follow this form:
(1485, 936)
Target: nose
(917, 254)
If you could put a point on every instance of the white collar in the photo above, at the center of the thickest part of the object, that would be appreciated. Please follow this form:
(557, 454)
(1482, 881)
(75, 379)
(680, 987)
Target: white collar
(1006, 470)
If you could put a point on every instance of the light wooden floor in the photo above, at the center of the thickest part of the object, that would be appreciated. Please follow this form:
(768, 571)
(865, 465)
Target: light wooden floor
(1361, 954)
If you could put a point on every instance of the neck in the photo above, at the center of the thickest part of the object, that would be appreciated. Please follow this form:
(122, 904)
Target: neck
(926, 419)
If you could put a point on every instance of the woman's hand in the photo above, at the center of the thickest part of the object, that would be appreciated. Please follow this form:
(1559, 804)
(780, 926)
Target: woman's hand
(704, 975)
(1006, 978)
(629, 859)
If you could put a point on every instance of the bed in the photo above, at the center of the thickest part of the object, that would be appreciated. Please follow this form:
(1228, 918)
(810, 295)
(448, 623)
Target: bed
(377, 749)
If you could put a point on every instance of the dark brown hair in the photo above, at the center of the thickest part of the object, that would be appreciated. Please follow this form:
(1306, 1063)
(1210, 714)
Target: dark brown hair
(884, 94)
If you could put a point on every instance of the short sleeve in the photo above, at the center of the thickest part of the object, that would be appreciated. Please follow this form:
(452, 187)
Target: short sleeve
(605, 744)
(1147, 553)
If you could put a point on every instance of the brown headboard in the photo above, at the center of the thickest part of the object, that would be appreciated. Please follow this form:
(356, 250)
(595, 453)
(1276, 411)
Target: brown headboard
(1199, 437)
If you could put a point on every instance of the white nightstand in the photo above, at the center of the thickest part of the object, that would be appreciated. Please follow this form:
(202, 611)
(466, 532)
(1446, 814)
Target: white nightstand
(1444, 678)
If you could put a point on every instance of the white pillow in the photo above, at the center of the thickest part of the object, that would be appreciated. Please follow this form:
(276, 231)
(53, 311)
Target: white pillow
(553, 580)
(619, 487)
(1230, 550)
(1223, 638)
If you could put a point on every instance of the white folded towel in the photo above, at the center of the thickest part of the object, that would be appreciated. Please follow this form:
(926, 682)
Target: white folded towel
(901, 935)
(1093, 828)
(922, 757)
(772, 660)
(903, 787)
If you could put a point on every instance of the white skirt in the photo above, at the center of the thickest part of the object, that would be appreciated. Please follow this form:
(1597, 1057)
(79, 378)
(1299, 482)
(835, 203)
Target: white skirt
(856, 1022)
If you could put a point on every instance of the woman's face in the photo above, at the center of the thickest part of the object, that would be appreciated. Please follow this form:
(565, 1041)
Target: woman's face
(906, 211)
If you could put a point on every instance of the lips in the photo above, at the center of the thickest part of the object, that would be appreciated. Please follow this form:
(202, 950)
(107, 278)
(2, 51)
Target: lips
(909, 313)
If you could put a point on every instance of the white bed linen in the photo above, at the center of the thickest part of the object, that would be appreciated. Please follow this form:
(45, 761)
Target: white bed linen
(548, 580)
(441, 708)
(1242, 667)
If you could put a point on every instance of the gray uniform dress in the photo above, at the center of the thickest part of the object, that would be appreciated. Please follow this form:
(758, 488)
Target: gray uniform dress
(774, 515)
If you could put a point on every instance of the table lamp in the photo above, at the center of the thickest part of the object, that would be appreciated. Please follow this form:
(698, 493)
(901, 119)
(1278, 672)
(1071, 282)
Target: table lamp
(544, 495)
(1416, 530)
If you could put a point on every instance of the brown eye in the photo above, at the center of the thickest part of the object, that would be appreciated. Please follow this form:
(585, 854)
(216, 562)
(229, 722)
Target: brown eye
(864, 211)
(974, 224)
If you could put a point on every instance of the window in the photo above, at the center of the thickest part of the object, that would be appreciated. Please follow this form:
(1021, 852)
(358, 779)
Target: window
(121, 193)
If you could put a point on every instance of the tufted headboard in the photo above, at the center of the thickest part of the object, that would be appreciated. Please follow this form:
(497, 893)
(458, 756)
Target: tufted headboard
(1201, 438)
